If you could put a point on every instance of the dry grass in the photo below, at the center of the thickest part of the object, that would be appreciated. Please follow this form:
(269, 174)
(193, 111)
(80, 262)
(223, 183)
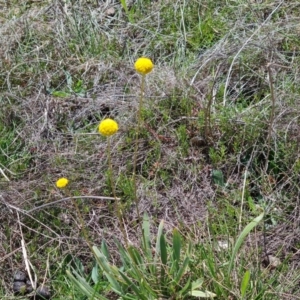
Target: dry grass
(64, 67)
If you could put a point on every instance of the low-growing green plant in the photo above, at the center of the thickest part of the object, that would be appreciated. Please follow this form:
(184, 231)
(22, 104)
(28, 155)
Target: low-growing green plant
(146, 272)
(183, 139)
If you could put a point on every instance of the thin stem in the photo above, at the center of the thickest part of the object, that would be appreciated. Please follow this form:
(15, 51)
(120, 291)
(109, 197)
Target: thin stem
(81, 221)
(139, 120)
(84, 231)
(113, 189)
(118, 207)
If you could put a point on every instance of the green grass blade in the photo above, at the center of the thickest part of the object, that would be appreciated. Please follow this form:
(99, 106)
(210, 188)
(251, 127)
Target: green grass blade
(182, 270)
(116, 287)
(101, 259)
(83, 285)
(110, 272)
(146, 236)
(124, 255)
(163, 250)
(136, 257)
(242, 237)
(164, 260)
(245, 283)
(186, 289)
(124, 5)
(133, 287)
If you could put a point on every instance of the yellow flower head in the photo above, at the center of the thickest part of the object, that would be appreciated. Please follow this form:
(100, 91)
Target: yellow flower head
(62, 182)
(143, 65)
(108, 127)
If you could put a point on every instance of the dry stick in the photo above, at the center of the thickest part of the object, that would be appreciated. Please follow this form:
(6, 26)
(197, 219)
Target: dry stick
(139, 119)
(272, 114)
(26, 260)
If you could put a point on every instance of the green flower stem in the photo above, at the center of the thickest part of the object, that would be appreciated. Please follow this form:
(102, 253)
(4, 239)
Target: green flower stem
(118, 207)
(139, 121)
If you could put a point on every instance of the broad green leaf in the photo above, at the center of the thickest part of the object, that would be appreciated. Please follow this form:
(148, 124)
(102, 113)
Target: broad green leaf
(218, 177)
(242, 237)
(146, 236)
(201, 294)
(60, 94)
(176, 249)
(245, 283)
(157, 247)
(197, 283)
(95, 274)
(104, 249)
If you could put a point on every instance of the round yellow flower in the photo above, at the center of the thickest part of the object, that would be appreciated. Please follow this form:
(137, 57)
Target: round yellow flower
(143, 65)
(62, 182)
(108, 127)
